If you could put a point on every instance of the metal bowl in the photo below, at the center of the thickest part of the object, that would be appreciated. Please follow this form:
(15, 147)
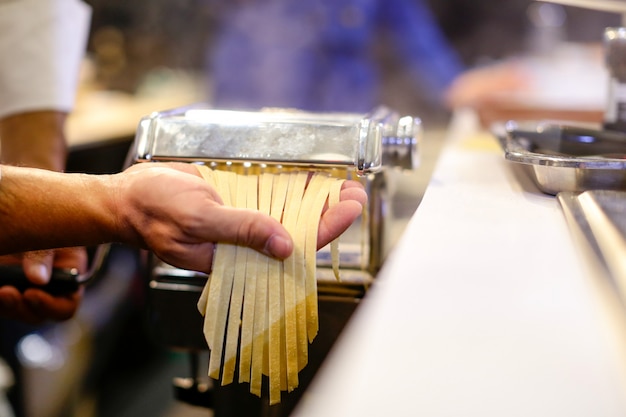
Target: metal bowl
(566, 158)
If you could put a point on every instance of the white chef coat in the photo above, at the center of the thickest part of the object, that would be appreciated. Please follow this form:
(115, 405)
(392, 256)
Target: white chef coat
(42, 43)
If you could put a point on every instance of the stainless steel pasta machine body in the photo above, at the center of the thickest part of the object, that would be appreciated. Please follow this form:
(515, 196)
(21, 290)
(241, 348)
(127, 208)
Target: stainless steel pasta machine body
(361, 146)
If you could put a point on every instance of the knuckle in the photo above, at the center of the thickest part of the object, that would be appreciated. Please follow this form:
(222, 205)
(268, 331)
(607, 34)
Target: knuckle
(249, 232)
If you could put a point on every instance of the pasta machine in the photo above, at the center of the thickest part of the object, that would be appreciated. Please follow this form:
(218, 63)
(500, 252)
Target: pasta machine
(357, 146)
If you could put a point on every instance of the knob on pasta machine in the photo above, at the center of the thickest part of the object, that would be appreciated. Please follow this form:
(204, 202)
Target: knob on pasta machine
(400, 143)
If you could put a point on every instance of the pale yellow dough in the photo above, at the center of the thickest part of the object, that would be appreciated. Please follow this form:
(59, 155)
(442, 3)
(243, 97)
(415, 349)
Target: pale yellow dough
(260, 312)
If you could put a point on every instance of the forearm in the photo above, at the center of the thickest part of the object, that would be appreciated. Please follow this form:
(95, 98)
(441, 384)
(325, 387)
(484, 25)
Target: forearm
(41, 209)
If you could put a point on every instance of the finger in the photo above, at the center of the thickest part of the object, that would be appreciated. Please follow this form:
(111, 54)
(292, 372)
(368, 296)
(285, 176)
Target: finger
(9, 300)
(352, 190)
(13, 306)
(38, 266)
(69, 258)
(45, 306)
(247, 228)
(198, 257)
(336, 220)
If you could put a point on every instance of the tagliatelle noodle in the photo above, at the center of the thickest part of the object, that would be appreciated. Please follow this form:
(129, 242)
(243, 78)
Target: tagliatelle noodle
(261, 321)
(236, 299)
(249, 300)
(297, 184)
(275, 277)
(333, 199)
(223, 273)
(312, 225)
(315, 182)
(260, 311)
(207, 175)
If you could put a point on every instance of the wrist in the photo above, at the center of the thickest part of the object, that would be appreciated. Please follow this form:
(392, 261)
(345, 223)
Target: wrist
(118, 208)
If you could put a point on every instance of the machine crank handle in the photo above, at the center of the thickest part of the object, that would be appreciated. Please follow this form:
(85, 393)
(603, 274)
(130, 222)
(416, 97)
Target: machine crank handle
(62, 281)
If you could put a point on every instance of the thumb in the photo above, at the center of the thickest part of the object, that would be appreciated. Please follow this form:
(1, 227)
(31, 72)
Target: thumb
(248, 228)
(38, 266)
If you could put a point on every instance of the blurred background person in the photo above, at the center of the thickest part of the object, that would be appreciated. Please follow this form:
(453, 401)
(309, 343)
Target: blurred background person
(321, 55)
(136, 48)
(413, 55)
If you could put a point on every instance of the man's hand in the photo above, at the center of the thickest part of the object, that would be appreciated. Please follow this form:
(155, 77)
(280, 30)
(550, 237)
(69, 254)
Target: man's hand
(34, 305)
(179, 216)
(167, 208)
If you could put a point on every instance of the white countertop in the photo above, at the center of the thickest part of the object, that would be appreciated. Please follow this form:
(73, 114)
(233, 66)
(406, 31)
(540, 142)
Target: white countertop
(486, 307)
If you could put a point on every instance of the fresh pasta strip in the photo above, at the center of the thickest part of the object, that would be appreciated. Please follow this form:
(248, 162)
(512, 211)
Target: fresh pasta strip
(312, 190)
(225, 254)
(258, 311)
(279, 194)
(207, 175)
(297, 183)
(312, 225)
(204, 296)
(236, 297)
(261, 305)
(249, 299)
(206, 305)
(333, 199)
